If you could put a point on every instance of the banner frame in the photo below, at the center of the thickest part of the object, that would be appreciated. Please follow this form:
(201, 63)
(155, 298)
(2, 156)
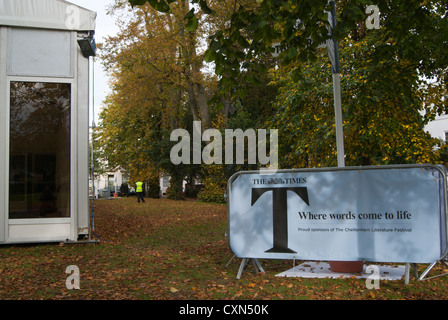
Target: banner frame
(443, 188)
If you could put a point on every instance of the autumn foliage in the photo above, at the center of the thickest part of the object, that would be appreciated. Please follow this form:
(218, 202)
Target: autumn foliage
(393, 82)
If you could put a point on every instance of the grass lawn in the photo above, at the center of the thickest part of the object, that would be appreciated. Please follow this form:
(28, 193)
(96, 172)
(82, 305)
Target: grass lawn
(174, 250)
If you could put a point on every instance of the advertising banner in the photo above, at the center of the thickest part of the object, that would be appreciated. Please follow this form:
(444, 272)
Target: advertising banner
(379, 214)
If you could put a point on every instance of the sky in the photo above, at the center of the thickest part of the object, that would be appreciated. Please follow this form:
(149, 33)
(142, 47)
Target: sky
(105, 26)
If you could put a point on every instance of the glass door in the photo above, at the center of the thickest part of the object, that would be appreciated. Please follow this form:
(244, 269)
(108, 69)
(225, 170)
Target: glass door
(39, 159)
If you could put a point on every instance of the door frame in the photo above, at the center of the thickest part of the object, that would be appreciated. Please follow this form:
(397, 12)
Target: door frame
(58, 229)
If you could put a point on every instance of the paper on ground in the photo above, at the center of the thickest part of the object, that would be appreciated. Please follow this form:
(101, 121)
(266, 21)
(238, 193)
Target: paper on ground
(322, 270)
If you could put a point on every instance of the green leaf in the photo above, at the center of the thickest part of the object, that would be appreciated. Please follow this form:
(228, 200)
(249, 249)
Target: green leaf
(159, 5)
(209, 56)
(243, 42)
(137, 2)
(190, 14)
(205, 7)
(162, 6)
(192, 24)
(291, 53)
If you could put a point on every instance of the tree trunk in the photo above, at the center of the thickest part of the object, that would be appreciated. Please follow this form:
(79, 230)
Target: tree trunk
(203, 106)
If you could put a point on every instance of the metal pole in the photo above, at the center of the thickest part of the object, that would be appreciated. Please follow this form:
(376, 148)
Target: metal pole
(338, 119)
(337, 92)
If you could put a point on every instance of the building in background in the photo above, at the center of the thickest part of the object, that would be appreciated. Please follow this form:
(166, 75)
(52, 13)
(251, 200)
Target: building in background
(438, 128)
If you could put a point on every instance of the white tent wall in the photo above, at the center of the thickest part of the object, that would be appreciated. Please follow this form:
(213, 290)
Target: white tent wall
(38, 47)
(46, 14)
(3, 134)
(82, 144)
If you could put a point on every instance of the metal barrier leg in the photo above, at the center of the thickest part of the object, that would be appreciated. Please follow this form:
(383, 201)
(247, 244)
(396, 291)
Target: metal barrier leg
(406, 273)
(423, 275)
(242, 267)
(259, 266)
(230, 261)
(255, 264)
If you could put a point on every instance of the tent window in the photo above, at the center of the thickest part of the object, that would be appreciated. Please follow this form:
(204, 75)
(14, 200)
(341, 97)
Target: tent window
(39, 166)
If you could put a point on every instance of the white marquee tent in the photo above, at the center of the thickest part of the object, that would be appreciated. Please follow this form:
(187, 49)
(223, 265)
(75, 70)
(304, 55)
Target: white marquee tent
(44, 108)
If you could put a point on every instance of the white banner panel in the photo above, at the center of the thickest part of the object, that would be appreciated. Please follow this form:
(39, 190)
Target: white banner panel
(380, 214)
